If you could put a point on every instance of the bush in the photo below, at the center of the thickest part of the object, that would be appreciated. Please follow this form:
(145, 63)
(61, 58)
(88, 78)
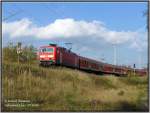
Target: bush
(28, 54)
(55, 89)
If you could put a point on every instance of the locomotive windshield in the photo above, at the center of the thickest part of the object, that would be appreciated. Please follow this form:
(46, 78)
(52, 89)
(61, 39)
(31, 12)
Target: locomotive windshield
(46, 50)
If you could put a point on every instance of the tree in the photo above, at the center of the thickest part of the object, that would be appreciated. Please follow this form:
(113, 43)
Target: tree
(28, 54)
(9, 53)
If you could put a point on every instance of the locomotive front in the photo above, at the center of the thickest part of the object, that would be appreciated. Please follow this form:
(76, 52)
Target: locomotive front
(47, 55)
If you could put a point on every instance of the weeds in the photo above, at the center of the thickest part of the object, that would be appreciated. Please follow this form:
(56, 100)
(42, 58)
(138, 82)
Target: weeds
(63, 89)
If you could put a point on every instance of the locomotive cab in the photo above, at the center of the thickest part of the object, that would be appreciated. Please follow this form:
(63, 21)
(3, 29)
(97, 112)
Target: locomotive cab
(47, 55)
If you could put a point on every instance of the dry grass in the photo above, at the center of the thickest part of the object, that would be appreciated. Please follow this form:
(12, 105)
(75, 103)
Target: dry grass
(64, 89)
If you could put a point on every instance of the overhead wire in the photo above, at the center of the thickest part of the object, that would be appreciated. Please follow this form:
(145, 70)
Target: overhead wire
(11, 15)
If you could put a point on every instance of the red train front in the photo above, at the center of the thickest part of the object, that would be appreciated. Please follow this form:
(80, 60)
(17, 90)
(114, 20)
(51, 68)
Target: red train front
(47, 55)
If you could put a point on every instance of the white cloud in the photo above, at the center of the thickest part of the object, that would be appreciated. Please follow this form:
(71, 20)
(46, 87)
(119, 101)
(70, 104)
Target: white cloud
(138, 44)
(69, 29)
(19, 28)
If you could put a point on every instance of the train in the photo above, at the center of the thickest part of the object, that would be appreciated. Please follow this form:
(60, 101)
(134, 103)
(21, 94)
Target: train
(53, 54)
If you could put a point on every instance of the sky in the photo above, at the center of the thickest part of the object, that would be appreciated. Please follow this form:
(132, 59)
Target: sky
(95, 29)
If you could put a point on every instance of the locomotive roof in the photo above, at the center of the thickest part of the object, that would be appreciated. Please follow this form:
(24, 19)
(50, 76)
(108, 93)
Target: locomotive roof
(47, 46)
(67, 50)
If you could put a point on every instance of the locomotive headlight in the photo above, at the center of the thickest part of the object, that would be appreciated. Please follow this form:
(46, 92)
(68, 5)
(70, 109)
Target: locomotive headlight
(50, 56)
(42, 56)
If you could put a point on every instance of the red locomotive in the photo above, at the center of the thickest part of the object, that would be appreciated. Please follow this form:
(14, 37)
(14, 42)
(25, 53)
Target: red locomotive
(55, 55)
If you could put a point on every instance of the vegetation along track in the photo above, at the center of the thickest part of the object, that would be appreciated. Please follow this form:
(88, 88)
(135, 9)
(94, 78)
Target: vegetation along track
(63, 89)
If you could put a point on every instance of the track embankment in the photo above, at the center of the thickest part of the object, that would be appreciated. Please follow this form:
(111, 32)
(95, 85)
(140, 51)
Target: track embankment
(33, 88)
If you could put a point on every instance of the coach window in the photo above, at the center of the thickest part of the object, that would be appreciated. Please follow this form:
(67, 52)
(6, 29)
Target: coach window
(81, 61)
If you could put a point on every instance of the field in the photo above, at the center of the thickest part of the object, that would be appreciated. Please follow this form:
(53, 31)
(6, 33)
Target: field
(33, 88)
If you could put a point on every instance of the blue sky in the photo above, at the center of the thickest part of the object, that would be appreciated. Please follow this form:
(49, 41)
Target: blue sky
(113, 21)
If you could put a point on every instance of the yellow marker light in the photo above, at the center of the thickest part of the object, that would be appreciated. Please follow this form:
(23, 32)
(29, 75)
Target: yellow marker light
(42, 56)
(50, 56)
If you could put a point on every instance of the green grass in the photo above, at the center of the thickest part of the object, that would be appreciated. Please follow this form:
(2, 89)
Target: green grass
(63, 89)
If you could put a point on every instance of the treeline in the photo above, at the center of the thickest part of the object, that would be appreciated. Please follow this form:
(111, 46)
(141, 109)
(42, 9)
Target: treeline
(28, 54)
